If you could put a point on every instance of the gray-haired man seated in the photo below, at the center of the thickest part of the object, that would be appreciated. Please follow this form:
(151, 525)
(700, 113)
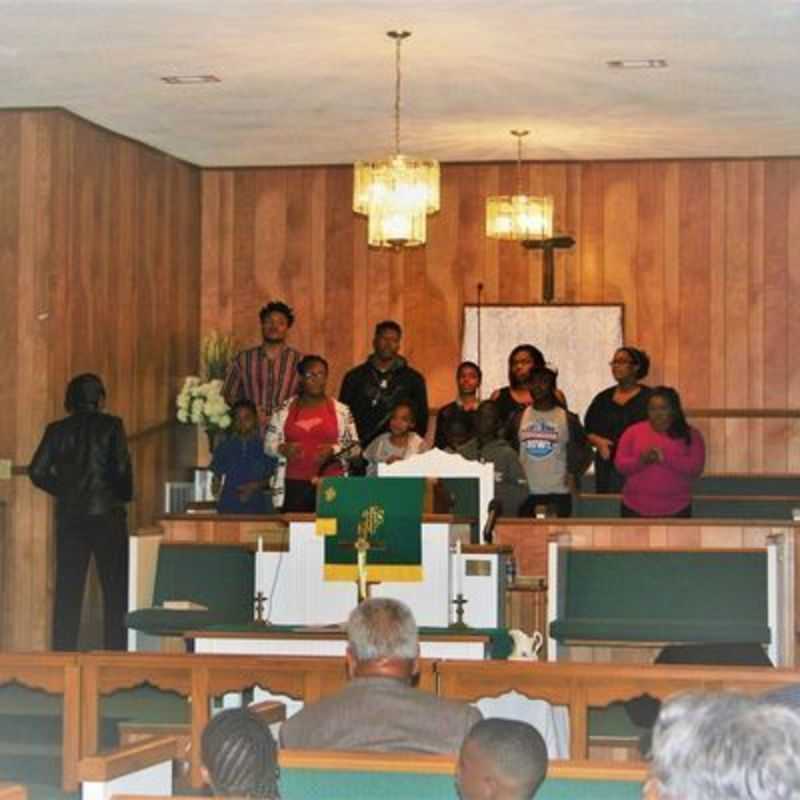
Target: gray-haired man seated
(379, 709)
(724, 747)
(501, 759)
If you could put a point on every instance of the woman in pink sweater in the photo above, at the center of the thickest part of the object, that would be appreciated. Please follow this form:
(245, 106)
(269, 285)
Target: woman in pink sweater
(660, 458)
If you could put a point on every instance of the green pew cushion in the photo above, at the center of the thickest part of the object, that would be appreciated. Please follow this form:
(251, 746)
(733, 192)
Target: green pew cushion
(301, 784)
(608, 507)
(664, 596)
(166, 622)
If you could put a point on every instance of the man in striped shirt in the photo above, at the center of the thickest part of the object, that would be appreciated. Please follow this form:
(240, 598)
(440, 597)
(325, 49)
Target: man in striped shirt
(266, 375)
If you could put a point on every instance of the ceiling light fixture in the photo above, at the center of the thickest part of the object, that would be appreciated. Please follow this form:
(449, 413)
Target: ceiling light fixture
(637, 63)
(519, 217)
(396, 193)
(527, 219)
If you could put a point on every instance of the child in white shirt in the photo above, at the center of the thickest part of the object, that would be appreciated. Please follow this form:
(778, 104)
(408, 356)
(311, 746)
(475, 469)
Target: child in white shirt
(398, 443)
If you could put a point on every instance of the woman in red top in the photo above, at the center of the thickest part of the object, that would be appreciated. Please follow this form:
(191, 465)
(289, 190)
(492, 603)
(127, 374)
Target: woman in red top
(313, 435)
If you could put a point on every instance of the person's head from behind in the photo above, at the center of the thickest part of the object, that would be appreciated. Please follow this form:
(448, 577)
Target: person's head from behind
(245, 418)
(402, 420)
(665, 413)
(487, 421)
(386, 342)
(240, 756)
(276, 319)
(382, 640)
(522, 359)
(724, 747)
(542, 385)
(85, 393)
(468, 378)
(501, 759)
(313, 371)
(629, 365)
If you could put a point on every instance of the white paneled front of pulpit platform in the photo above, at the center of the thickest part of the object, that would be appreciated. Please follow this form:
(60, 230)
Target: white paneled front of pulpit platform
(298, 594)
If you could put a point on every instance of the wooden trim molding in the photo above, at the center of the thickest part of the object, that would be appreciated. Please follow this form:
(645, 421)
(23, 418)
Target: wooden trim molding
(124, 760)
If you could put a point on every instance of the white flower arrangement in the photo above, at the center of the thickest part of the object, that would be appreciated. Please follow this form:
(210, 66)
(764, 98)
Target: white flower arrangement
(203, 404)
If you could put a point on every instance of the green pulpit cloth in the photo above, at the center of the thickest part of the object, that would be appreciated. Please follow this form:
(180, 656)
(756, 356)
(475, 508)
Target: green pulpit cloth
(388, 511)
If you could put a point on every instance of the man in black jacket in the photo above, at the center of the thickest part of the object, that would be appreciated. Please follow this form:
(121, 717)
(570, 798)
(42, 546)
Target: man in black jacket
(83, 462)
(372, 389)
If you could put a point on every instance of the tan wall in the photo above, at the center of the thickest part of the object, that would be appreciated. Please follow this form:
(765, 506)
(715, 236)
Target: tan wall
(705, 255)
(99, 269)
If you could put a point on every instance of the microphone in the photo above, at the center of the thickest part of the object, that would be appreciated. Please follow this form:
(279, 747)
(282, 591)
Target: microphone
(495, 509)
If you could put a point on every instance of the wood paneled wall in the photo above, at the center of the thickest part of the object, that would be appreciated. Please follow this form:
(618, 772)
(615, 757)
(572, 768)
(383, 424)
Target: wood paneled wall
(99, 268)
(705, 255)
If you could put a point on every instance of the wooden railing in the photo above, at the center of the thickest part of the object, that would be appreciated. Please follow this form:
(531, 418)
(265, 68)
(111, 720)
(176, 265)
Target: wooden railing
(56, 673)
(577, 686)
(581, 686)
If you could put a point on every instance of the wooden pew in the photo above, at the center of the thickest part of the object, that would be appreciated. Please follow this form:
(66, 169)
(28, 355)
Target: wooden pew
(203, 677)
(529, 537)
(581, 686)
(433, 773)
(56, 673)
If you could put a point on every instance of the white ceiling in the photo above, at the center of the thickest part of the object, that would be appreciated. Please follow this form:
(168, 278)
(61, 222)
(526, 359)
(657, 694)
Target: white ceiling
(311, 81)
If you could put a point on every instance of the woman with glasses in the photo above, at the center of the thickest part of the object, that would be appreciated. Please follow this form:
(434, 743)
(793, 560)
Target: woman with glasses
(660, 458)
(613, 411)
(313, 435)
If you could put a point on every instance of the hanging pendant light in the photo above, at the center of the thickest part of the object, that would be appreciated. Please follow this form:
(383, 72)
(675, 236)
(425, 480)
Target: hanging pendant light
(519, 217)
(396, 193)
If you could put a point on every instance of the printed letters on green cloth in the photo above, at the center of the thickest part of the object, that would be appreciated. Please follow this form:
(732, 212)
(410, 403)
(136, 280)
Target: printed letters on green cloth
(388, 511)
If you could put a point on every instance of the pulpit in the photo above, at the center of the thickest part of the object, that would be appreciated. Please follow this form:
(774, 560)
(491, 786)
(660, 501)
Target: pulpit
(289, 570)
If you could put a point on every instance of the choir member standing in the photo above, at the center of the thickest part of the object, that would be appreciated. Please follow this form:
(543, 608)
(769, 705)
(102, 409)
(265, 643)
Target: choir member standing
(313, 434)
(266, 375)
(659, 459)
(614, 410)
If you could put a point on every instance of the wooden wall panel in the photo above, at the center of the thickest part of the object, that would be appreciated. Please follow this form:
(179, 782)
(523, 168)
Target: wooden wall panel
(704, 255)
(99, 261)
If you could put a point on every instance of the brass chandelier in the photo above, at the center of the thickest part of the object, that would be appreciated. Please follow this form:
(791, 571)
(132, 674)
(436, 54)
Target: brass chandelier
(398, 192)
(519, 217)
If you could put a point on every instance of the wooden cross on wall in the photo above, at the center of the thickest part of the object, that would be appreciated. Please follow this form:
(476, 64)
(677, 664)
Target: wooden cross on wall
(548, 246)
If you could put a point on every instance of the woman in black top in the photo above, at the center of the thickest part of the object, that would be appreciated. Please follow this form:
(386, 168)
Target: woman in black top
(614, 410)
(516, 397)
(513, 399)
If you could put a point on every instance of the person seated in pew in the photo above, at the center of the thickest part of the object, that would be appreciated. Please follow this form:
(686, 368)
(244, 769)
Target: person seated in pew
(401, 441)
(487, 446)
(242, 470)
(464, 407)
(659, 459)
(552, 447)
(313, 434)
(724, 747)
(240, 756)
(501, 759)
(379, 710)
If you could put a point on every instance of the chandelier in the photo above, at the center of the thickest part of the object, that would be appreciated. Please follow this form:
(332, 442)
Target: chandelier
(519, 217)
(398, 192)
